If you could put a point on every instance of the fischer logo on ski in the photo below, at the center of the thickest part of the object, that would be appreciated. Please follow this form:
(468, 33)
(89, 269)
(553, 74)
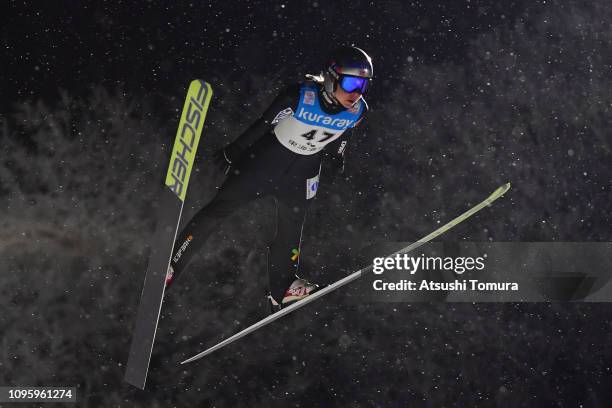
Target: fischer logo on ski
(188, 137)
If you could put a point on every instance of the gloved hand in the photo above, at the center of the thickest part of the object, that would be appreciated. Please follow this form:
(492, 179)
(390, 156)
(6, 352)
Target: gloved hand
(225, 158)
(338, 162)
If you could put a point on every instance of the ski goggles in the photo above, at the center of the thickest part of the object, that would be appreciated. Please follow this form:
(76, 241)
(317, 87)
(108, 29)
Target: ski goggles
(350, 84)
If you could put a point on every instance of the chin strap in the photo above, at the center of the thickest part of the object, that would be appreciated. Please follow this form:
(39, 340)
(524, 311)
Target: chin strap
(330, 99)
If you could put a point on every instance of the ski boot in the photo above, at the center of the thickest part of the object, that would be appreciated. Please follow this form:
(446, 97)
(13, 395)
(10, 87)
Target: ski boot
(299, 289)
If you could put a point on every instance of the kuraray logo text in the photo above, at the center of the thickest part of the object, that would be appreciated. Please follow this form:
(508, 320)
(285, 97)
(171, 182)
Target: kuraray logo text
(318, 118)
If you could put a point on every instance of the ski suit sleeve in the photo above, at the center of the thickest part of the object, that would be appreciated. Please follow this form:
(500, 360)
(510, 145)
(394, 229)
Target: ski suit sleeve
(336, 152)
(338, 148)
(286, 100)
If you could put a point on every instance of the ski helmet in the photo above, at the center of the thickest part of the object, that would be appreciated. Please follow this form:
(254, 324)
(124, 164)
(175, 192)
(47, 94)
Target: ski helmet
(350, 68)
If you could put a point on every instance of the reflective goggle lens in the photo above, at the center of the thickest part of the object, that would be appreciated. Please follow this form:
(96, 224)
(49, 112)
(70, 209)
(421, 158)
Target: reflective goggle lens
(351, 84)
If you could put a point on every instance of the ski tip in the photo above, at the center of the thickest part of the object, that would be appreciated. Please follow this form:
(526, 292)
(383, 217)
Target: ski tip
(501, 190)
(202, 83)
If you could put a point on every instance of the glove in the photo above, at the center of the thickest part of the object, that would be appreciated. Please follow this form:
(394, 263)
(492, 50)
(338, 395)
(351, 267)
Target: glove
(224, 159)
(339, 158)
(338, 162)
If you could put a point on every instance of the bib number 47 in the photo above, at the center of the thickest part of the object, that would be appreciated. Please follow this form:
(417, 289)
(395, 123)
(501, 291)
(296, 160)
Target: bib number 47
(311, 135)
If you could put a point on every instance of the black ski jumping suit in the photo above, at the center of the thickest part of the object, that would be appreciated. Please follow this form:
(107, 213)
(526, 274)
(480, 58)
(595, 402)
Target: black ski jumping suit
(281, 156)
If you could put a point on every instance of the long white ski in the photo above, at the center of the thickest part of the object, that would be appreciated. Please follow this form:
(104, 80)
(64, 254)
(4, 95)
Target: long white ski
(355, 275)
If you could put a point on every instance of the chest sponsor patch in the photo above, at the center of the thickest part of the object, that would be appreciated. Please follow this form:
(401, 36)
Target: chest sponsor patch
(309, 97)
(316, 118)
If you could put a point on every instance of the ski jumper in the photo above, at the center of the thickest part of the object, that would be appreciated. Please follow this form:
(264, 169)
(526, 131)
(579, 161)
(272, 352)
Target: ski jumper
(283, 153)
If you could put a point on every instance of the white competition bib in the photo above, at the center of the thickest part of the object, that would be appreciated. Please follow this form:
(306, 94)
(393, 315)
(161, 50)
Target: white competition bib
(310, 129)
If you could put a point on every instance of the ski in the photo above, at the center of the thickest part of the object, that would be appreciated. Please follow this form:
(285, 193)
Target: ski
(355, 275)
(170, 206)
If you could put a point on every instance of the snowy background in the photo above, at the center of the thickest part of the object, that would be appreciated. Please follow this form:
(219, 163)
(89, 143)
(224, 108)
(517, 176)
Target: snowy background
(466, 96)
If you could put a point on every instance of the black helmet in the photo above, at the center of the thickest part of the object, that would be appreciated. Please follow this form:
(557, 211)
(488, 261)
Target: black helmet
(348, 65)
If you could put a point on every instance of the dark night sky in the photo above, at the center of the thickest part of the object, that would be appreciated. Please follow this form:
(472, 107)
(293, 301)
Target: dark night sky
(157, 45)
(467, 95)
